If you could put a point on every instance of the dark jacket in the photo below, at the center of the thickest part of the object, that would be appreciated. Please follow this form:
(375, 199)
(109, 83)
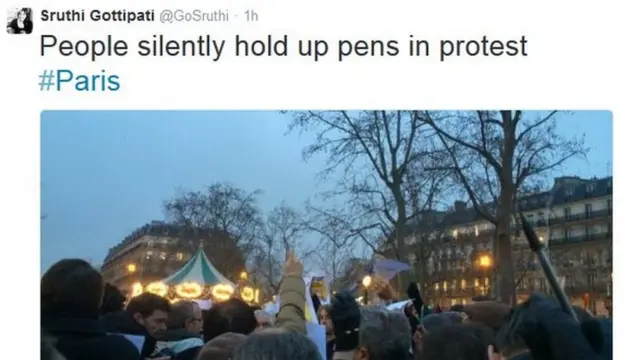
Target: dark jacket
(123, 323)
(330, 346)
(83, 339)
(549, 333)
(181, 342)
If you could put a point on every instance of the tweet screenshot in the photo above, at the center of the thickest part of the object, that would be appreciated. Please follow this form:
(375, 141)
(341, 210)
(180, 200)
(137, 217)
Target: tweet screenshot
(335, 180)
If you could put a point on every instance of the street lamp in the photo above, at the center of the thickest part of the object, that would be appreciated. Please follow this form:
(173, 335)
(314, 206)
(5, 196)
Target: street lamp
(485, 263)
(131, 268)
(366, 282)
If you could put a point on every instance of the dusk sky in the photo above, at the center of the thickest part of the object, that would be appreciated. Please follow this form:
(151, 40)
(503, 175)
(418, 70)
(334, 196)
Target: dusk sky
(104, 174)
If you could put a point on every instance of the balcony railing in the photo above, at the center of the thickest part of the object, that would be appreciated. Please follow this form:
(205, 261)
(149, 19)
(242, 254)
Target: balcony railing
(581, 238)
(582, 216)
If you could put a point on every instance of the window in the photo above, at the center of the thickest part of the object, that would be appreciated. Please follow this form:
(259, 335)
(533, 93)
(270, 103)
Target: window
(568, 192)
(476, 230)
(453, 284)
(567, 213)
(454, 233)
(437, 286)
(163, 255)
(463, 284)
(179, 256)
(476, 282)
(486, 281)
(444, 285)
(591, 188)
(587, 210)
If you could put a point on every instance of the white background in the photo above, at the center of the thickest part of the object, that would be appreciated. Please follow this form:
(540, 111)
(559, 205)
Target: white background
(582, 55)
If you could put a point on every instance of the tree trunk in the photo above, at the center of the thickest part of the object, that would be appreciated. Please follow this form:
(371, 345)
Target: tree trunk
(401, 251)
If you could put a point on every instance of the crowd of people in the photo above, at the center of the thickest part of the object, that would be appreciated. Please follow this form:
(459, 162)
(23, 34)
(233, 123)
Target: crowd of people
(84, 319)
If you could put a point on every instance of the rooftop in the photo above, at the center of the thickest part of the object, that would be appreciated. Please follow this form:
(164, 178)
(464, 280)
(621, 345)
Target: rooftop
(566, 190)
(157, 228)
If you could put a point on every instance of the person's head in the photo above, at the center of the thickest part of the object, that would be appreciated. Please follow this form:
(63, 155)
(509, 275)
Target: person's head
(222, 347)
(23, 14)
(457, 308)
(383, 335)
(59, 289)
(458, 342)
(151, 311)
(325, 319)
(186, 315)
(265, 320)
(276, 343)
(448, 318)
(233, 315)
(113, 300)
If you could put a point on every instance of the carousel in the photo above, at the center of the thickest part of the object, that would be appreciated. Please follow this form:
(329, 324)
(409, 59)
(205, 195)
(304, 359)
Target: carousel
(198, 279)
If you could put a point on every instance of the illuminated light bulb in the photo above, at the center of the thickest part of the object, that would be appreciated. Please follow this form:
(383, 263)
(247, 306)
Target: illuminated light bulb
(189, 290)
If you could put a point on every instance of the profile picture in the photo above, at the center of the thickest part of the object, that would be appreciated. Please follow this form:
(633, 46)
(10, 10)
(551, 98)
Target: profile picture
(19, 21)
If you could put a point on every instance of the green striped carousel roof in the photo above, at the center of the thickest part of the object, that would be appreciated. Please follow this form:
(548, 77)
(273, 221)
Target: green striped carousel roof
(199, 270)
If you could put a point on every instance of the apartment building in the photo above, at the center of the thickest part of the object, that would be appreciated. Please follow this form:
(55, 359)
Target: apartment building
(156, 250)
(574, 218)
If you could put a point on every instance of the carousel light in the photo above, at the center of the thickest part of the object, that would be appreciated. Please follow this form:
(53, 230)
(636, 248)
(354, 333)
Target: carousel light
(136, 289)
(222, 292)
(189, 290)
(158, 288)
(256, 297)
(243, 275)
(247, 294)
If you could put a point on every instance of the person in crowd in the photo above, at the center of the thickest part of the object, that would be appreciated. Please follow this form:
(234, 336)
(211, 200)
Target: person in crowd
(146, 315)
(265, 320)
(233, 315)
(433, 321)
(548, 332)
(459, 342)
(368, 333)
(383, 335)
(345, 316)
(22, 23)
(413, 292)
(287, 340)
(71, 293)
(315, 299)
(291, 315)
(325, 320)
(222, 347)
(276, 344)
(113, 300)
(184, 326)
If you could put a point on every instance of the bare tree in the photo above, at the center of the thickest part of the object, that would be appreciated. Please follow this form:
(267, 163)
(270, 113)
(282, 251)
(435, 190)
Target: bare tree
(427, 228)
(284, 230)
(495, 153)
(334, 249)
(372, 153)
(220, 209)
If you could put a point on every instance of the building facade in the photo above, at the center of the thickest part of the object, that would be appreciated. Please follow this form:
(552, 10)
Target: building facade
(574, 219)
(157, 250)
